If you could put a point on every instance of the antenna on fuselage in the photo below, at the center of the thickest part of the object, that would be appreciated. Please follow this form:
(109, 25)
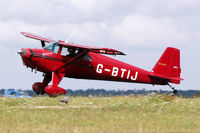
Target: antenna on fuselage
(67, 40)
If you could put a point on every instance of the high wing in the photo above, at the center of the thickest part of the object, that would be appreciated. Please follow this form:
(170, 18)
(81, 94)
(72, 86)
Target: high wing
(92, 49)
(30, 35)
(75, 46)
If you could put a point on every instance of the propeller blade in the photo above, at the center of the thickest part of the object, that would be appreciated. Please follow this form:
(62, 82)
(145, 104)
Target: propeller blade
(67, 40)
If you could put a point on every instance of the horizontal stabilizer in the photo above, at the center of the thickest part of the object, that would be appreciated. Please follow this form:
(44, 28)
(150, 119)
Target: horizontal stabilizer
(174, 80)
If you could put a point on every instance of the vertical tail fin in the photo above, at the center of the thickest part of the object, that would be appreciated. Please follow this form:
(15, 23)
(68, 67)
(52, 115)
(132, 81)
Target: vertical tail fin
(168, 66)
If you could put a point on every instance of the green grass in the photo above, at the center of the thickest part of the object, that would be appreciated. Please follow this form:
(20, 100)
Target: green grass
(123, 114)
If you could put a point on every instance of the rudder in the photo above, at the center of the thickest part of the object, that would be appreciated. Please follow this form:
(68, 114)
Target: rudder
(168, 66)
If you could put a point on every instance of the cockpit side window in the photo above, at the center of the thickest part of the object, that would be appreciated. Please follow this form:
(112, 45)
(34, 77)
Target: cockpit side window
(56, 49)
(64, 51)
(71, 52)
(49, 47)
(53, 47)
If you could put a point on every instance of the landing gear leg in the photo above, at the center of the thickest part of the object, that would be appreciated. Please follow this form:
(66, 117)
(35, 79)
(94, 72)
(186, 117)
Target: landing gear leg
(174, 90)
(53, 90)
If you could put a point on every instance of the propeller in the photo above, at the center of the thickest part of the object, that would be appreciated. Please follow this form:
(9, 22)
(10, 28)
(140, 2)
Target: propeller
(67, 40)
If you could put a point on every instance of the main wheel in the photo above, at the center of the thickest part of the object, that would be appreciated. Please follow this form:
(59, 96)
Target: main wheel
(39, 88)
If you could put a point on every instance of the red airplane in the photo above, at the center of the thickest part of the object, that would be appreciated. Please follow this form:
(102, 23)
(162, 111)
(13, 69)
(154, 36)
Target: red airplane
(61, 59)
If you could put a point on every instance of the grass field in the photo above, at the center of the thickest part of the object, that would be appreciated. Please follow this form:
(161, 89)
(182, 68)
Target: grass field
(123, 114)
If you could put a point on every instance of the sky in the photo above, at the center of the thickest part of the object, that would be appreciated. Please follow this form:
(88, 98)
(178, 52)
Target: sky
(140, 28)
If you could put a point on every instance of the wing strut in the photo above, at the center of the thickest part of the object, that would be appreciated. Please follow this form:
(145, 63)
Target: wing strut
(42, 43)
(73, 59)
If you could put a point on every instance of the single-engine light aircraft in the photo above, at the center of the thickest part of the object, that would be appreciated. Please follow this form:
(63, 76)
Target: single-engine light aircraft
(58, 59)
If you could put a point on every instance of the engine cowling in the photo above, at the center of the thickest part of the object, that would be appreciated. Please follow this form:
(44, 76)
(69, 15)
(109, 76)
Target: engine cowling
(39, 88)
(54, 90)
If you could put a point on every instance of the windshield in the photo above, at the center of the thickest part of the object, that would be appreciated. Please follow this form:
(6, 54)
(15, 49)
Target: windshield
(53, 47)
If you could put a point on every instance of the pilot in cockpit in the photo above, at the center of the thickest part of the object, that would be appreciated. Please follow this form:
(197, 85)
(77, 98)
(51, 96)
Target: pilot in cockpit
(72, 52)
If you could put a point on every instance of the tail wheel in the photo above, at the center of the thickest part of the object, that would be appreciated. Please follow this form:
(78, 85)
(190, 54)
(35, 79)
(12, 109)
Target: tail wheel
(175, 91)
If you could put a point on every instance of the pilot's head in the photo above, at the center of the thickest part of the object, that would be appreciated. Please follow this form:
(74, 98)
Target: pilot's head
(71, 50)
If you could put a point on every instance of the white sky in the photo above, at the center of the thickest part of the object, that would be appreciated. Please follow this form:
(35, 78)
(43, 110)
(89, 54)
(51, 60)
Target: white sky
(140, 28)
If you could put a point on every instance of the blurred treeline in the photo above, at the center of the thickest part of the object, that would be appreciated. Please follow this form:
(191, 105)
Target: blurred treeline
(103, 92)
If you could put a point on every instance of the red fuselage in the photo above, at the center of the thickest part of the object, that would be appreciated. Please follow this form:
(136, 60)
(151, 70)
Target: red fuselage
(91, 66)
